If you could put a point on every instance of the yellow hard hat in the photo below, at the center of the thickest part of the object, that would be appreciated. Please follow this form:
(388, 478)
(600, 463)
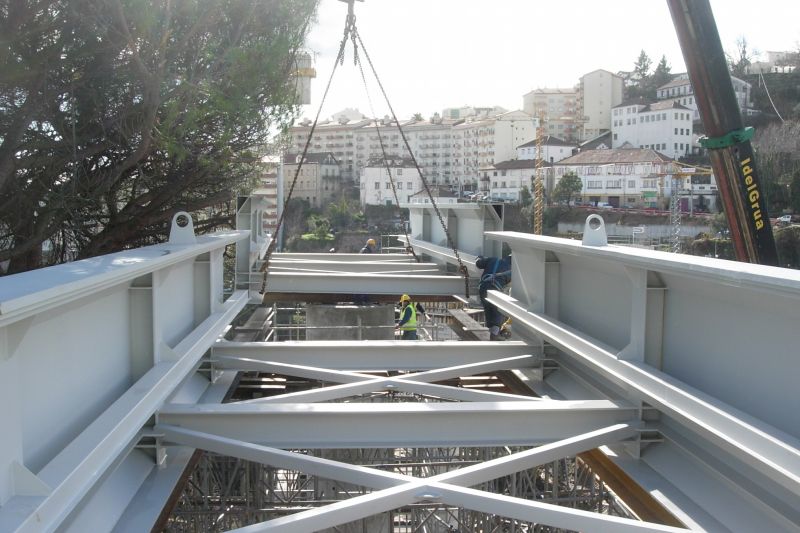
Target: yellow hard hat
(405, 298)
(371, 242)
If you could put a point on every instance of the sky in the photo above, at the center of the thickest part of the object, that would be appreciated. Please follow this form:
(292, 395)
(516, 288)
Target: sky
(433, 54)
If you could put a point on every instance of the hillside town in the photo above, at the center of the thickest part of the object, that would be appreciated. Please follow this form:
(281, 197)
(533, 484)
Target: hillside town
(620, 148)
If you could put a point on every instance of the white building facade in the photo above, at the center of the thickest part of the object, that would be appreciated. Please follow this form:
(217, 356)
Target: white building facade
(665, 126)
(504, 180)
(319, 180)
(480, 143)
(632, 177)
(553, 149)
(680, 90)
(598, 92)
(376, 184)
(337, 137)
(558, 106)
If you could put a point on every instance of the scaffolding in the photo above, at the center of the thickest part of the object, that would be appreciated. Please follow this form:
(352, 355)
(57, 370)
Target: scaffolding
(223, 493)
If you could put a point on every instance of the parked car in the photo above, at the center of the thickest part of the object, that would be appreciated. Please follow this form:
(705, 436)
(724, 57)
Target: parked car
(604, 205)
(785, 219)
(466, 194)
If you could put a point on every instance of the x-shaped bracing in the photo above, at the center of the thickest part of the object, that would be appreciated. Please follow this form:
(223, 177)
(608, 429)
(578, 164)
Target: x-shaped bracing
(393, 490)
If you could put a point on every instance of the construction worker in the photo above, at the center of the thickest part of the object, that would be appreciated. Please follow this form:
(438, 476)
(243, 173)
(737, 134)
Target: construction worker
(496, 275)
(369, 248)
(408, 319)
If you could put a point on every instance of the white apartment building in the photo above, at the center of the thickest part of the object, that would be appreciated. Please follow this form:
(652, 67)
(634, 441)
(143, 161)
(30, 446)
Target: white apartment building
(430, 142)
(665, 126)
(319, 181)
(376, 185)
(620, 176)
(553, 149)
(460, 113)
(337, 137)
(680, 90)
(504, 180)
(441, 195)
(559, 109)
(479, 143)
(598, 91)
(775, 63)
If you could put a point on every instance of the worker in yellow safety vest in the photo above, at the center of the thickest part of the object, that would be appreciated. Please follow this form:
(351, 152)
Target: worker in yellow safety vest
(408, 319)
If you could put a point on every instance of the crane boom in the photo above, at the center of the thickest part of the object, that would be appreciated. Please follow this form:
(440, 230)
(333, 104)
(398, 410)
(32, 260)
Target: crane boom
(727, 141)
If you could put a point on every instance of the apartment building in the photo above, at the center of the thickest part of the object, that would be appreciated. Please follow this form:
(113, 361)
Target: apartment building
(430, 142)
(553, 149)
(319, 181)
(376, 183)
(597, 92)
(558, 107)
(335, 136)
(665, 126)
(504, 180)
(480, 143)
(620, 176)
(680, 90)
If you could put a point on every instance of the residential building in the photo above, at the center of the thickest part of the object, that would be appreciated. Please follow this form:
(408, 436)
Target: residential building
(430, 142)
(319, 181)
(376, 181)
(558, 107)
(598, 91)
(601, 142)
(680, 90)
(479, 143)
(775, 63)
(620, 176)
(664, 125)
(504, 180)
(460, 113)
(553, 149)
(335, 136)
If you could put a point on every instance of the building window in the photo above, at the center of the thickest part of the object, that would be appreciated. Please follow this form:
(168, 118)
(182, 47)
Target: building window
(399, 171)
(388, 185)
(676, 131)
(377, 185)
(409, 186)
(614, 184)
(631, 184)
(399, 185)
(594, 184)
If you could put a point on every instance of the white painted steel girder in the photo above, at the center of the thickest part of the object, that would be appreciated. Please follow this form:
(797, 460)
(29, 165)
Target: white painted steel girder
(357, 383)
(345, 425)
(321, 283)
(359, 355)
(349, 258)
(444, 488)
(445, 255)
(376, 266)
(758, 445)
(73, 472)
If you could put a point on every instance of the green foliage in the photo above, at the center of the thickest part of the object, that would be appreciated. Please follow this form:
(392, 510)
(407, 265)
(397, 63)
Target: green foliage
(117, 113)
(568, 186)
(641, 69)
(787, 241)
(661, 75)
(341, 213)
(319, 226)
(794, 192)
(525, 196)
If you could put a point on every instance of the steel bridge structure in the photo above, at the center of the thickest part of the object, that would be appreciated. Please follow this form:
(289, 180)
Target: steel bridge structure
(654, 392)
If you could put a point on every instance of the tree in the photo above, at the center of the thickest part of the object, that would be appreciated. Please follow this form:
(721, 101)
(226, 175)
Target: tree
(661, 75)
(418, 117)
(319, 226)
(741, 58)
(568, 186)
(114, 116)
(641, 68)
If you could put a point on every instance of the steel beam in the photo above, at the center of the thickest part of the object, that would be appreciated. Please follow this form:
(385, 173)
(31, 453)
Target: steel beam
(345, 425)
(74, 471)
(756, 444)
(358, 355)
(349, 258)
(394, 284)
(391, 484)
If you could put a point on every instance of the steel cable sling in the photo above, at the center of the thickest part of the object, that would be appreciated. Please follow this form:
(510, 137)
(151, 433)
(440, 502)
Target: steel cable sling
(349, 29)
(409, 247)
(461, 266)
